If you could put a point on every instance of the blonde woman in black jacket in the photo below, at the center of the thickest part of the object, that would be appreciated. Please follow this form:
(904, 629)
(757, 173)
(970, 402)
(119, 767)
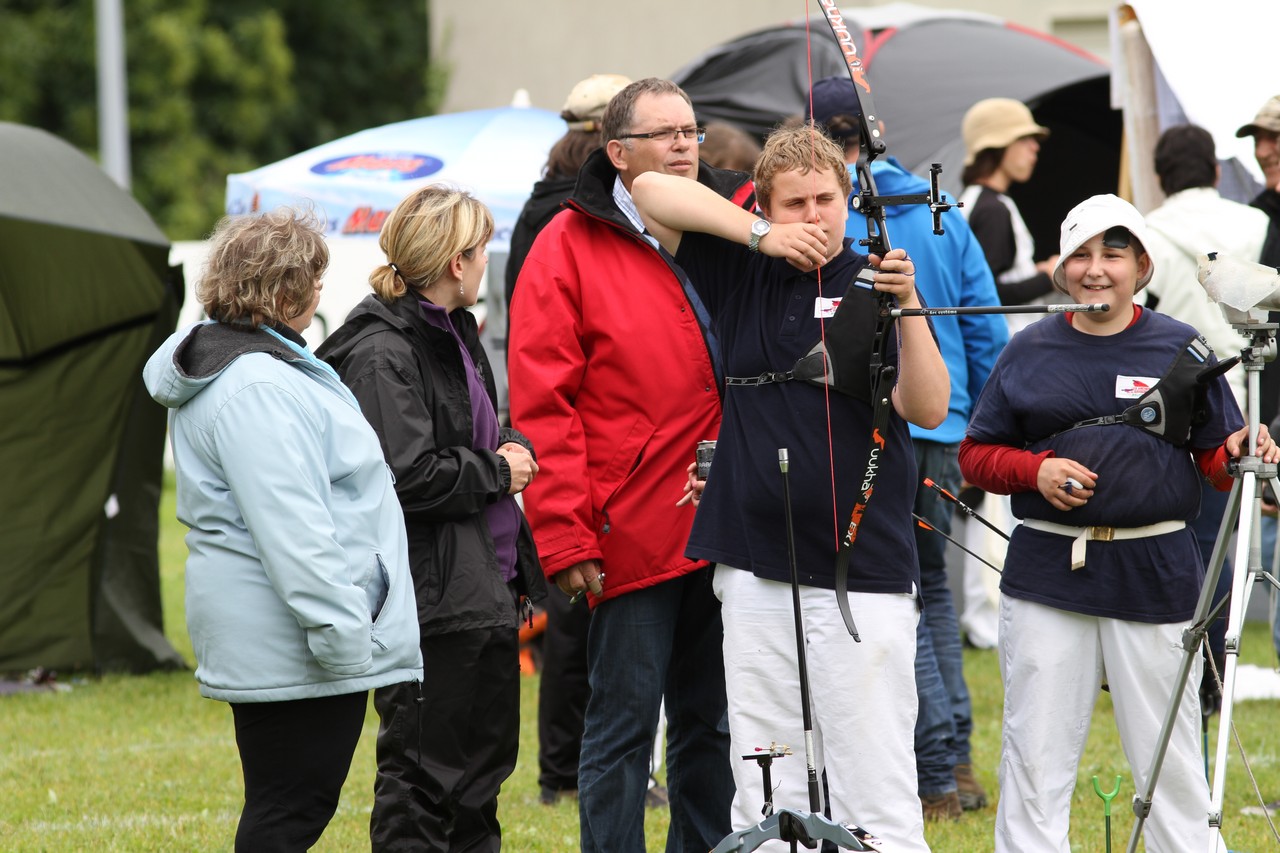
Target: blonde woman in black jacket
(411, 354)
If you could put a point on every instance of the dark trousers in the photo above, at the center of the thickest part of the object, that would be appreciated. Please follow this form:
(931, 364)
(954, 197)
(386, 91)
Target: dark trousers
(295, 757)
(562, 696)
(662, 642)
(444, 752)
(945, 719)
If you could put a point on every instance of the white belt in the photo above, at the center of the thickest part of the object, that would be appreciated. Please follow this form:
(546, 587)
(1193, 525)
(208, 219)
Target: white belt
(1081, 535)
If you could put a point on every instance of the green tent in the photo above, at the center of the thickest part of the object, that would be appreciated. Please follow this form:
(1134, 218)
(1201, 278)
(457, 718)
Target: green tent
(86, 294)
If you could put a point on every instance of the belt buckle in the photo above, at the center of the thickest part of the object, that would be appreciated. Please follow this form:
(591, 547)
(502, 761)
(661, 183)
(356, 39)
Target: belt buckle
(1102, 534)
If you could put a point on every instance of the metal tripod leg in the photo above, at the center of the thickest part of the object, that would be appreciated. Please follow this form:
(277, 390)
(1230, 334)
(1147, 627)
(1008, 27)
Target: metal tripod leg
(1248, 553)
(1191, 639)
(1248, 562)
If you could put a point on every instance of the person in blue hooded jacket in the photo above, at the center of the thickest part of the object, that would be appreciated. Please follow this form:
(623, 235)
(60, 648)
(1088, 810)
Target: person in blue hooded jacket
(298, 594)
(951, 270)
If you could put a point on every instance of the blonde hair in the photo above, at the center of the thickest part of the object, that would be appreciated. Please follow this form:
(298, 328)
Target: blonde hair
(263, 268)
(423, 234)
(801, 148)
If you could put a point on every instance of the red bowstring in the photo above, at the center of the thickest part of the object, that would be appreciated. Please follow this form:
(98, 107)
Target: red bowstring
(822, 323)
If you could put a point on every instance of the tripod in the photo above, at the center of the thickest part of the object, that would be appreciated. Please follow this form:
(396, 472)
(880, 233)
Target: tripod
(1251, 474)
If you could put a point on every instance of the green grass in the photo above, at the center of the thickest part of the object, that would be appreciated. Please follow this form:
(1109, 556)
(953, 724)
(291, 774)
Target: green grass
(143, 763)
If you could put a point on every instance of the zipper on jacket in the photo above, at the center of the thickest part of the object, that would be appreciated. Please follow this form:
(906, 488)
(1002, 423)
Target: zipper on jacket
(526, 610)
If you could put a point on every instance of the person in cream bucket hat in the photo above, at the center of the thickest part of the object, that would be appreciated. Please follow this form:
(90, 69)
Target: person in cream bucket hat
(1002, 147)
(997, 123)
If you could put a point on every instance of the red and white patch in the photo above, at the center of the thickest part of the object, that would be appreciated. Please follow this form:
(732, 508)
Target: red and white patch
(1133, 387)
(824, 308)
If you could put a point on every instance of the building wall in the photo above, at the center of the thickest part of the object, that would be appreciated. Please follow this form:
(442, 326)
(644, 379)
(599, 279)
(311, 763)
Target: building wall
(543, 47)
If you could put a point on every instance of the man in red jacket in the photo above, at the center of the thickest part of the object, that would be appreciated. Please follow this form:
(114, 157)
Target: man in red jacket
(613, 371)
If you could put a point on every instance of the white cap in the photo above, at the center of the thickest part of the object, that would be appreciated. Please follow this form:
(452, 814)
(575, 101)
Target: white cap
(585, 105)
(1093, 216)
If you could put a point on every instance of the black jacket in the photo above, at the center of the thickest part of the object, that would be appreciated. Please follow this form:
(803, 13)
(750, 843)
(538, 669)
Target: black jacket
(410, 380)
(1268, 201)
(541, 207)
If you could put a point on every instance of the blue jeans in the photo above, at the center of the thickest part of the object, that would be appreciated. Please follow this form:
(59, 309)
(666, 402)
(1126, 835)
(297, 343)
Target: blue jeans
(945, 721)
(656, 642)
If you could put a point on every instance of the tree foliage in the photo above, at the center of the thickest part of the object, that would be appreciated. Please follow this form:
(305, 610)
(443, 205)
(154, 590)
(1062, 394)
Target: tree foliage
(217, 86)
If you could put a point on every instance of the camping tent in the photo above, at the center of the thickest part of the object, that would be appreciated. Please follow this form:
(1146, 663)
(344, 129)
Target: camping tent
(85, 297)
(927, 67)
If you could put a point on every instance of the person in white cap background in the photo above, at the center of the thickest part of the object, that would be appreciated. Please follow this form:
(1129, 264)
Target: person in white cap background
(1265, 130)
(1074, 606)
(563, 690)
(1195, 219)
(582, 111)
(1002, 144)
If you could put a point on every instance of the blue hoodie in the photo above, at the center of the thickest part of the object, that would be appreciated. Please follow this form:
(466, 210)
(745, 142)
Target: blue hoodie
(297, 582)
(951, 270)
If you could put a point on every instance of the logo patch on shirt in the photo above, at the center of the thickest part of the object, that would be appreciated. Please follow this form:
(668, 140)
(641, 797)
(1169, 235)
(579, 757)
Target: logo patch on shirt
(1133, 387)
(824, 308)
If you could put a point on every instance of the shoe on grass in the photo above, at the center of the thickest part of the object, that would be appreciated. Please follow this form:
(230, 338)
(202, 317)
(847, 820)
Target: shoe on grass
(940, 807)
(551, 796)
(972, 795)
(656, 797)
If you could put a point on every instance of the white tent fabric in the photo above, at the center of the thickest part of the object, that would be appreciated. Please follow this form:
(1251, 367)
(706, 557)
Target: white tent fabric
(1215, 73)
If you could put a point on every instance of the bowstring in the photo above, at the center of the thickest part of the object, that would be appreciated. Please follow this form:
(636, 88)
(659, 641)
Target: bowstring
(822, 321)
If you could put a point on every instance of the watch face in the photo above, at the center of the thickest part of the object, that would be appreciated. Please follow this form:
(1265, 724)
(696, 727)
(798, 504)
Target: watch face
(760, 227)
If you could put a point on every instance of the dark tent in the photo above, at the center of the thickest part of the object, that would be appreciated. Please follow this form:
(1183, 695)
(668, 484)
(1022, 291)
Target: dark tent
(927, 67)
(86, 295)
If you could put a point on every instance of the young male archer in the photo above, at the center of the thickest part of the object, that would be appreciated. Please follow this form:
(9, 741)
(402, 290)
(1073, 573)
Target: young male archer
(769, 284)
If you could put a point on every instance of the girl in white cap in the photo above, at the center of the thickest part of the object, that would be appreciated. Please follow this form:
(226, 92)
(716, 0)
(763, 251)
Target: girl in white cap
(1103, 574)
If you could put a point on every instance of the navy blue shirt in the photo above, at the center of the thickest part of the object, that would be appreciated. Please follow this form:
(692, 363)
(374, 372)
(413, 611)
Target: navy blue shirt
(1051, 376)
(763, 313)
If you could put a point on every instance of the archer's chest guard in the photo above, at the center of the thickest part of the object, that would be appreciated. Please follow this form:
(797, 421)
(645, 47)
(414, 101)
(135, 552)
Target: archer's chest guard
(1175, 404)
(842, 358)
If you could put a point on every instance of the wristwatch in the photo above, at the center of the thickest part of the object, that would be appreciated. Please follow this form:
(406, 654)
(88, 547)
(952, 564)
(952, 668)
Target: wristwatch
(759, 228)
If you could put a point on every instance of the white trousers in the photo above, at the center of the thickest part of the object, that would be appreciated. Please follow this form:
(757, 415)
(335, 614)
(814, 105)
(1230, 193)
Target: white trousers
(1053, 663)
(979, 615)
(863, 700)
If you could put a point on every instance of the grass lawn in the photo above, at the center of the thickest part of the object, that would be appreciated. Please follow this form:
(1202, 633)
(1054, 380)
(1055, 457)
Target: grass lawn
(123, 763)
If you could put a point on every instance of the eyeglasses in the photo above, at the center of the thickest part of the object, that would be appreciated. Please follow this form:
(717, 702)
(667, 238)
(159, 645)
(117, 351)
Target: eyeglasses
(697, 134)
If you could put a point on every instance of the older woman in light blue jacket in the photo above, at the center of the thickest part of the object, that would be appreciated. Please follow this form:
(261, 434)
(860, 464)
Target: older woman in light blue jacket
(298, 594)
